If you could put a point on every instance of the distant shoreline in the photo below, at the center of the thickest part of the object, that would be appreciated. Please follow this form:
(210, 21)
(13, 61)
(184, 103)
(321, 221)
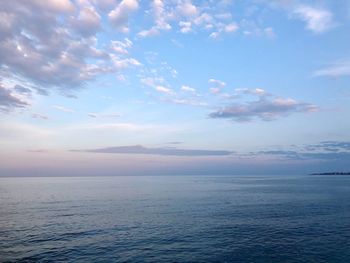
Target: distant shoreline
(332, 173)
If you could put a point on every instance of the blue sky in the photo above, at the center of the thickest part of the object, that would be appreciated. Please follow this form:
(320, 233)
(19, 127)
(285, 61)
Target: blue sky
(112, 87)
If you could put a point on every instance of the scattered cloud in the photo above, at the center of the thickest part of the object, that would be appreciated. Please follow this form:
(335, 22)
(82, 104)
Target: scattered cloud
(185, 27)
(188, 17)
(138, 149)
(224, 28)
(267, 107)
(60, 39)
(250, 28)
(121, 46)
(311, 156)
(158, 84)
(160, 19)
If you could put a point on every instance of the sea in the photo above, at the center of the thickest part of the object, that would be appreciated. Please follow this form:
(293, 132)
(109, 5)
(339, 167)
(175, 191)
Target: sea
(175, 219)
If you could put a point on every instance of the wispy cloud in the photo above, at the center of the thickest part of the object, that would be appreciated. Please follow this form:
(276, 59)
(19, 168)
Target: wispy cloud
(119, 126)
(336, 69)
(121, 46)
(62, 108)
(308, 156)
(103, 115)
(154, 79)
(22, 90)
(188, 89)
(190, 102)
(329, 146)
(138, 149)
(39, 116)
(328, 151)
(164, 90)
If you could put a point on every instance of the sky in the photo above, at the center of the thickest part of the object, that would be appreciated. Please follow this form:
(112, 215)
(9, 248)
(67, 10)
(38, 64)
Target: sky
(132, 87)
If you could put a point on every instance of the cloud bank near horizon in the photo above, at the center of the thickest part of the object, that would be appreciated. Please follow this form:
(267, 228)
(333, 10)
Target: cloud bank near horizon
(166, 151)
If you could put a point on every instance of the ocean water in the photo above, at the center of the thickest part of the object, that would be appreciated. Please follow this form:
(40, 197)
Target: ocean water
(175, 219)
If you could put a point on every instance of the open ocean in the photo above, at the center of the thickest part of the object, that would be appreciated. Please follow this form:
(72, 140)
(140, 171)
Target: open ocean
(175, 219)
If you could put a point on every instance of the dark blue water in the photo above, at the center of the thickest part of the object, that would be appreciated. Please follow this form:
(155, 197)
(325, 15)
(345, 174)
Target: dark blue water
(175, 219)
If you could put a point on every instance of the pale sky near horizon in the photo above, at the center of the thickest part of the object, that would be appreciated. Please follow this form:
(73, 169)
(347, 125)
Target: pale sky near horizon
(110, 87)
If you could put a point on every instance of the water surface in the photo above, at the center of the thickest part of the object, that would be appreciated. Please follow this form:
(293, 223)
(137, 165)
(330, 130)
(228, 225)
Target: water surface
(175, 219)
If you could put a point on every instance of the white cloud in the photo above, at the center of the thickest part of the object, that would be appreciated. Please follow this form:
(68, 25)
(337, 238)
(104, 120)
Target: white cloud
(88, 22)
(160, 15)
(188, 89)
(62, 6)
(152, 81)
(164, 90)
(160, 19)
(203, 19)
(217, 86)
(217, 82)
(62, 108)
(148, 33)
(185, 27)
(124, 63)
(214, 35)
(119, 17)
(121, 46)
(232, 27)
(187, 8)
(317, 20)
(224, 28)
